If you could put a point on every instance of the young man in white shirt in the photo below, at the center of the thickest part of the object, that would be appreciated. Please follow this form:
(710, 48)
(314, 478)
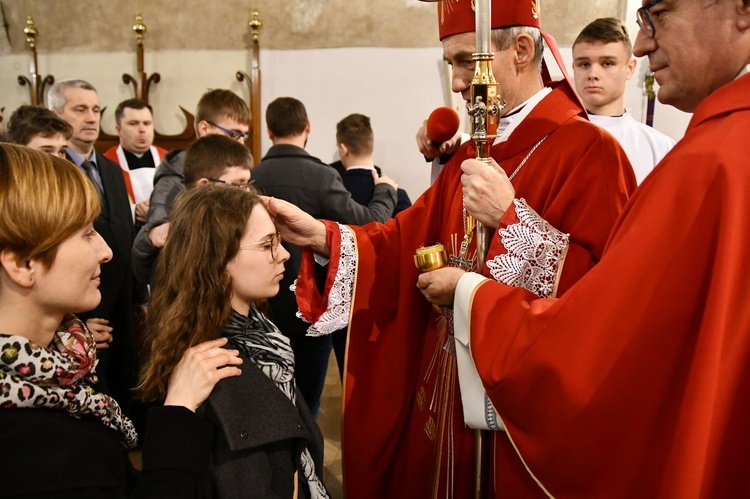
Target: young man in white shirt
(603, 62)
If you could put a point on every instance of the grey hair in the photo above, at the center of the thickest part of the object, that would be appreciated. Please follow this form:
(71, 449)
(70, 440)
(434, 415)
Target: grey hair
(503, 38)
(56, 94)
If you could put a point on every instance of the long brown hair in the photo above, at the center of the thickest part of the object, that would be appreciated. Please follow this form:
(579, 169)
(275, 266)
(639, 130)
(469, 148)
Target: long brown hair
(190, 302)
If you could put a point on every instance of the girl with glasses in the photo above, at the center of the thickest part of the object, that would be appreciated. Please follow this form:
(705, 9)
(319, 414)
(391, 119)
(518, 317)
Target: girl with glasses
(222, 260)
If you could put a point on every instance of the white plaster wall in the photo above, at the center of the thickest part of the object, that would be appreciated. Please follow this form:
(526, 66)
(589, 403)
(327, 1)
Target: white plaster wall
(397, 88)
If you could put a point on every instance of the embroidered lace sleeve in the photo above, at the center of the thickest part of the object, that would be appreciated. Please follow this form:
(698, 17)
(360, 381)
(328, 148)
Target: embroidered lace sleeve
(336, 315)
(535, 251)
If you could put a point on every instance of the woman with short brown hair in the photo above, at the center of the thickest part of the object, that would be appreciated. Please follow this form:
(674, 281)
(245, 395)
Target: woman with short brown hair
(60, 437)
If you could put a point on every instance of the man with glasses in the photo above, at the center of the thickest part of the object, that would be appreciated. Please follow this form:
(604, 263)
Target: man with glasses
(219, 160)
(235, 134)
(213, 159)
(220, 112)
(635, 382)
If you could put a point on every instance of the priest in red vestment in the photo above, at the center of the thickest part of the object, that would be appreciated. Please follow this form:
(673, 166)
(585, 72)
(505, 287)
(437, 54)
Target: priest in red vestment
(404, 434)
(635, 382)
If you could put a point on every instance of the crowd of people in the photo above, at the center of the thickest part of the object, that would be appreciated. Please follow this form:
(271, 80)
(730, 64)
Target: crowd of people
(598, 349)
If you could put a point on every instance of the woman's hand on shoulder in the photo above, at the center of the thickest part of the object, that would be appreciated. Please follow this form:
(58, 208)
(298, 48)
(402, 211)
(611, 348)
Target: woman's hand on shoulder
(200, 368)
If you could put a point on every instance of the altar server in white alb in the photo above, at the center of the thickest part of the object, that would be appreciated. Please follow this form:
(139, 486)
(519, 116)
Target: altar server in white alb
(603, 62)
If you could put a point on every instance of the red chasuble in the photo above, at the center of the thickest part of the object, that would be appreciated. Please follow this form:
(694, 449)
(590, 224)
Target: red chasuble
(403, 431)
(636, 382)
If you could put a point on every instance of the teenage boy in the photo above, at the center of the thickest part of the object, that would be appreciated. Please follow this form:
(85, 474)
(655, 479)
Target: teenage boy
(210, 159)
(40, 129)
(219, 112)
(603, 62)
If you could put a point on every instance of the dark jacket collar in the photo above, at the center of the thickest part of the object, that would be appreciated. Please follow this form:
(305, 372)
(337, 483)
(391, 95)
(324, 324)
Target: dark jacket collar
(284, 151)
(289, 151)
(253, 412)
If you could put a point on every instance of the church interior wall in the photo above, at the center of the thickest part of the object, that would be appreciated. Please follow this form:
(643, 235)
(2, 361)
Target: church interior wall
(396, 86)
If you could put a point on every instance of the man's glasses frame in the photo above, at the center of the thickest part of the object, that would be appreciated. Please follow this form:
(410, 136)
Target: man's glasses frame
(644, 20)
(242, 185)
(234, 134)
(275, 241)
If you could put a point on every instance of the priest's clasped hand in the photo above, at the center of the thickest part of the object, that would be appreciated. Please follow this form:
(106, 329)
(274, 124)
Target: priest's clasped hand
(296, 226)
(487, 191)
(439, 286)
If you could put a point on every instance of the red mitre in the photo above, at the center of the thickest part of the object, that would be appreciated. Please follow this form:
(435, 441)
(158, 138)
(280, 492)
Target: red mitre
(458, 16)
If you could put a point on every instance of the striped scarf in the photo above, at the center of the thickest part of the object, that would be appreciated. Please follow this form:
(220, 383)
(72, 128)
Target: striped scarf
(262, 342)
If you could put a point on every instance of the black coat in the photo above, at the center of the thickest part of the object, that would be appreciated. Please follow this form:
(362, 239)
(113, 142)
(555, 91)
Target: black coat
(260, 435)
(49, 454)
(362, 187)
(245, 443)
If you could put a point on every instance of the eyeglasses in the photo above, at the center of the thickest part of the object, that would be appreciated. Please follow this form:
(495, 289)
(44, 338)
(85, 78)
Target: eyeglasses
(271, 245)
(644, 20)
(240, 136)
(242, 185)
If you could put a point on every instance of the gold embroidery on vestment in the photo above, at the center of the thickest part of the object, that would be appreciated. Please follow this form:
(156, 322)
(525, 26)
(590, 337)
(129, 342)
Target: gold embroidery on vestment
(421, 398)
(430, 428)
(447, 6)
(535, 8)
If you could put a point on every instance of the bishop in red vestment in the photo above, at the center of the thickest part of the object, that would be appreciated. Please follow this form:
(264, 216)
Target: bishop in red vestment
(403, 426)
(635, 382)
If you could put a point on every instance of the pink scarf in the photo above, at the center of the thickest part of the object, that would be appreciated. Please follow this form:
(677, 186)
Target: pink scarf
(57, 377)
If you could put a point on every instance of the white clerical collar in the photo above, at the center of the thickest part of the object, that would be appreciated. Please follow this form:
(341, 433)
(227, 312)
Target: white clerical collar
(744, 71)
(604, 117)
(360, 167)
(515, 116)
